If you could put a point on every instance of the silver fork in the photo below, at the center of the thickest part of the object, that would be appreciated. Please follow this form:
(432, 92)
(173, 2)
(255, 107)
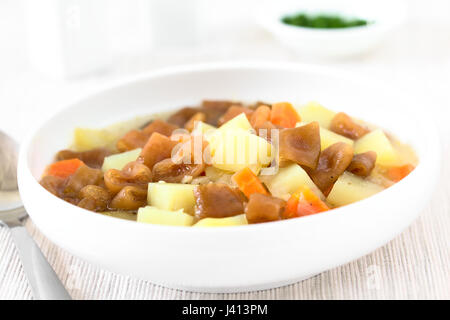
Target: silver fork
(43, 280)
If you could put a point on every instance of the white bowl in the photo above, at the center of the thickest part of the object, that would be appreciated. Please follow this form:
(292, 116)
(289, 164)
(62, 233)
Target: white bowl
(332, 43)
(234, 258)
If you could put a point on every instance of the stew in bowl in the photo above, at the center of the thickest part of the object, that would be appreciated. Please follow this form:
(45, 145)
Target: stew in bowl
(229, 163)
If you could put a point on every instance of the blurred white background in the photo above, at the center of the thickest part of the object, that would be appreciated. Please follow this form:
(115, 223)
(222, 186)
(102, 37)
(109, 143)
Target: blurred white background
(124, 37)
(52, 51)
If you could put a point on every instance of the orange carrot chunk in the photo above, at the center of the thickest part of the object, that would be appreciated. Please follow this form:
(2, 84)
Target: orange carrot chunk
(249, 183)
(284, 114)
(304, 202)
(64, 168)
(398, 173)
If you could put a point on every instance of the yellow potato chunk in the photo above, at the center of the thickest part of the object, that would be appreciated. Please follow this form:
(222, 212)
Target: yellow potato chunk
(203, 128)
(327, 137)
(350, 188)
(238, 122)
(288, 180)
(378, 142)
(154, 215)
(118, 161)
(238, 220)
(171, 196)
(313, 111)
(233, 150)
(88, 138)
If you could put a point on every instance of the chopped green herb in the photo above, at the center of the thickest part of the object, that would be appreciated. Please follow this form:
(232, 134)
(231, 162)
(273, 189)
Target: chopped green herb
(322, 21)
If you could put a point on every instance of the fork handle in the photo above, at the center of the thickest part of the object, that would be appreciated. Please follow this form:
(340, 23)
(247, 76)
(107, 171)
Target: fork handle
(44, 282)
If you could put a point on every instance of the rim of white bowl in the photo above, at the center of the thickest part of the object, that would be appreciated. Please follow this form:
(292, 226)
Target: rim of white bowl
(429, 161)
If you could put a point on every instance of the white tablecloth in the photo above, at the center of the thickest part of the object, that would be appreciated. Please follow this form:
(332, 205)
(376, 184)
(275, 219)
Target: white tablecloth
(414, 265)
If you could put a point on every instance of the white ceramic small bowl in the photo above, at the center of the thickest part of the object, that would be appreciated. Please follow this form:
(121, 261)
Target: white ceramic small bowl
(384, 17)
(234, 258)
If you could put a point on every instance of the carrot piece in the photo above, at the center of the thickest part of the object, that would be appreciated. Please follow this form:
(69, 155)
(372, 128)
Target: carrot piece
(304, 202)
(64, 168)
(249, 183)
(398, 173)
(284, 114)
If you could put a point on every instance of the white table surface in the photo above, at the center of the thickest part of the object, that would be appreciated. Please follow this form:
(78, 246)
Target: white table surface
(414, 265)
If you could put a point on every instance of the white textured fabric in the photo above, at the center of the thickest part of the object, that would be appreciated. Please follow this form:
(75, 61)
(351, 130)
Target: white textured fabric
(415, 265)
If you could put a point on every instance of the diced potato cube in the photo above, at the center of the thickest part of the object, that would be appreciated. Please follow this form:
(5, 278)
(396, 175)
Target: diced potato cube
(154, 215)
(238, 220)
(118, 161)
(171, 196)
(350, 188)
(203, 128)
(233, 150)
(313, 111)
(378, 142)
(238, 122)
(288, 180)
(327, 137)
(86, 139)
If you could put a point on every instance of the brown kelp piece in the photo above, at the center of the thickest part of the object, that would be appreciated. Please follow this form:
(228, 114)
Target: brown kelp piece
(133, 174)
(344, 125)
(168, 171)
(333, 161)
(233, 112)
(264, 208)
(129, 198)
(92, 158)
(157, 148)
(182, 116)
(301, 144)
(363, 163)
(217, 200)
